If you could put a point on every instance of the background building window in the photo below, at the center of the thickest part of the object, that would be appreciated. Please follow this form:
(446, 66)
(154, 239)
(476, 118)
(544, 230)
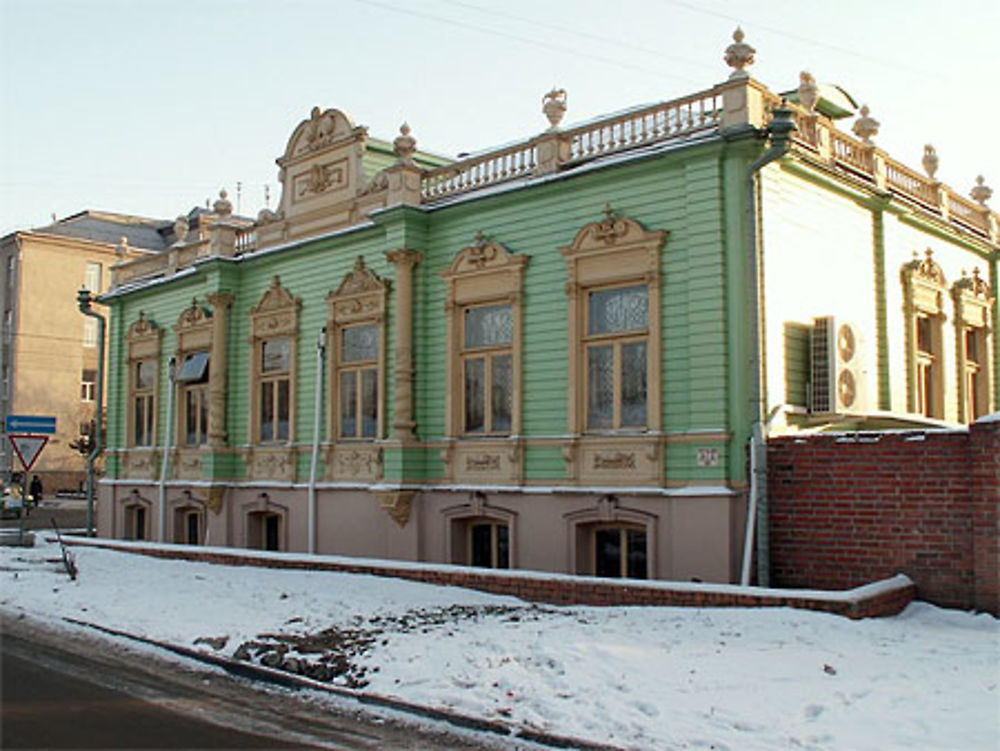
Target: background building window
(357, 379)
(88, 385)
(617, 330)
(274, 389)
(487, 368)
(89, 332)
(92, 277)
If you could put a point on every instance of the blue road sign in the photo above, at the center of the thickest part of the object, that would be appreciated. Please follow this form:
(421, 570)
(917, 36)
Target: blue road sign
(41, 424)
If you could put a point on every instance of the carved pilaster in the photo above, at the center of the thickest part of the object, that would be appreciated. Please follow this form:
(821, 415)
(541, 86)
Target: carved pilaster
(218, 432)
(404, 260)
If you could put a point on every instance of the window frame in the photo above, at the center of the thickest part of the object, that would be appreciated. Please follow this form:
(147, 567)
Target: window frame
(488, 354)
(614, 253)
(975, 375)
(276, 316)
(360, 300)
(623, 530)
(194, 336)
(495, 526)
(88, 386)
(481, 275)
(924, 289)
(143, 341)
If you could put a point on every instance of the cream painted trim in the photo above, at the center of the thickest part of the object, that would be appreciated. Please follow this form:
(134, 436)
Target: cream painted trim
(612, 253)
(360, 300)
(194, 331)
(484, 273)
(973, 308)
(924, 290)
(143, 342)
(276, 316)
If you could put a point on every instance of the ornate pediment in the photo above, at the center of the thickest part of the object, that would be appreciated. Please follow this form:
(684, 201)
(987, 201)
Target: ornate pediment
(276, 314)
(193, 316)
(275, 298)
(973, 286)
(361, 280)
(483, 256)
(143, 328)
(322, 130)
(612, 232)
(926, 270)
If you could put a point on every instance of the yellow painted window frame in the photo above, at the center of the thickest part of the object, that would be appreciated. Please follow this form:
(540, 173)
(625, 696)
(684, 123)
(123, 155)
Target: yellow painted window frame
(143, 343)
(924, 293)
(275, 316)
(973, 304)
(614, 252)
(482, 274)
(360, 300)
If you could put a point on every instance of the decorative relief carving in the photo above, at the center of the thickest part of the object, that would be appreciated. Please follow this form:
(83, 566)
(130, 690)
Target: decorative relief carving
(396, 504)
(618, 460)
(142, 465)
(928, 268)
(482, 463)
(142, 328)
(361, 462)
(322, 129)
(276, 313)
(272, 465)
(187, 465)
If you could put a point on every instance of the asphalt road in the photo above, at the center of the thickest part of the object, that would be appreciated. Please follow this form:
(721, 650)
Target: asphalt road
(66, 690)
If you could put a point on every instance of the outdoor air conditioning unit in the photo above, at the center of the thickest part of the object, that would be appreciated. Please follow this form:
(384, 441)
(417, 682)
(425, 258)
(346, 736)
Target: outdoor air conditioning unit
(838, 370)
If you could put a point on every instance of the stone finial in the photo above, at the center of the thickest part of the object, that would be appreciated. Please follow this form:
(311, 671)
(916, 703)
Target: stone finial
(181, 228)
(808, 91)
(122, 249)
(981, 192)
(865, 126)
(223, 207)
(405, 145)
(739, 55)
(930, 161)
(554, 106)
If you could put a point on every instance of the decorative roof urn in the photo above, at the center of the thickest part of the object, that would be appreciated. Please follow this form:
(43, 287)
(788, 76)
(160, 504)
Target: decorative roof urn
(808, 91)
(554, 106)
(405, 145)
(739, 55)
(981, 193)
(181, 229)
(930, 161)
(223, 207)
(865, 126)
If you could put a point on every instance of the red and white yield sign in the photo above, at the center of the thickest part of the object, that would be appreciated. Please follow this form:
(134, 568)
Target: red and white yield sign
(27, 448)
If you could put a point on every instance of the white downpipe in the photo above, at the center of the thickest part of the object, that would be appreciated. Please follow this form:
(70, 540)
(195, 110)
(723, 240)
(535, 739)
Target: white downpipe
(317, 420)
(751, 509)
(167, 448)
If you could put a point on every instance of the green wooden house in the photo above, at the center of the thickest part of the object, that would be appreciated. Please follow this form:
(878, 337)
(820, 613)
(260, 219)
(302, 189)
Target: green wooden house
(556, 355)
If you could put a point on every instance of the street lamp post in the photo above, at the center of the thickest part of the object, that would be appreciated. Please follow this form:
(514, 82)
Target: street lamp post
(84, 299)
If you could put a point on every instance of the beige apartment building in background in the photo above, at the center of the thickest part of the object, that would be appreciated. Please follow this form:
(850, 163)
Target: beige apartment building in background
(48, 349)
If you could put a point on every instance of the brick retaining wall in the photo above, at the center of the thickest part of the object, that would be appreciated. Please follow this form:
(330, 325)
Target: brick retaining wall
(880, 599)
(851, 508)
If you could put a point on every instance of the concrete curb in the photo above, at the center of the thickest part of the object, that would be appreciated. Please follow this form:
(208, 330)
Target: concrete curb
(291, 680)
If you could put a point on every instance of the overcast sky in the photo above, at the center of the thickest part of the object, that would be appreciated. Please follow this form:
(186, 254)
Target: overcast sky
(149, 107)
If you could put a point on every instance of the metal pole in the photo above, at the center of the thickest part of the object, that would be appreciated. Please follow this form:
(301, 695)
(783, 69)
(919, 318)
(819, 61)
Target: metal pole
(167, 447)
(84, 298)
(318, 402)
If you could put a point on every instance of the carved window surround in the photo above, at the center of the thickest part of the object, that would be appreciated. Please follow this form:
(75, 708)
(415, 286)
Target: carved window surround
(924, 294)
(143, 342)
(607, 512)
(194, 331)
(275, 317)
(614, 252)
(973, 346)
(253, 514)
(458, 518)
(360, 301)
(131, 507)
(482, 274)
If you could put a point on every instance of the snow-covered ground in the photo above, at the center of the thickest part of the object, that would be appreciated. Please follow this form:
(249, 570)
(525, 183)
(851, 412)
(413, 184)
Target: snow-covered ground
(639, 678)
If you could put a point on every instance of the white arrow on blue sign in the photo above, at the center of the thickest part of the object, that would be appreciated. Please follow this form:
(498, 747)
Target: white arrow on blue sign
(40, 424)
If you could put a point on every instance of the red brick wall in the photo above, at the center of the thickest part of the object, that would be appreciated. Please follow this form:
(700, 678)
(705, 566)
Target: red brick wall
(851, 508)
(882, 599)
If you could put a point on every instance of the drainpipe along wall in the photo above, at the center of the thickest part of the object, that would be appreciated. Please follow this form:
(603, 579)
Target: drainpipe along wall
(167, 448)
(780, 130)
(317, 421)
(84, 299)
